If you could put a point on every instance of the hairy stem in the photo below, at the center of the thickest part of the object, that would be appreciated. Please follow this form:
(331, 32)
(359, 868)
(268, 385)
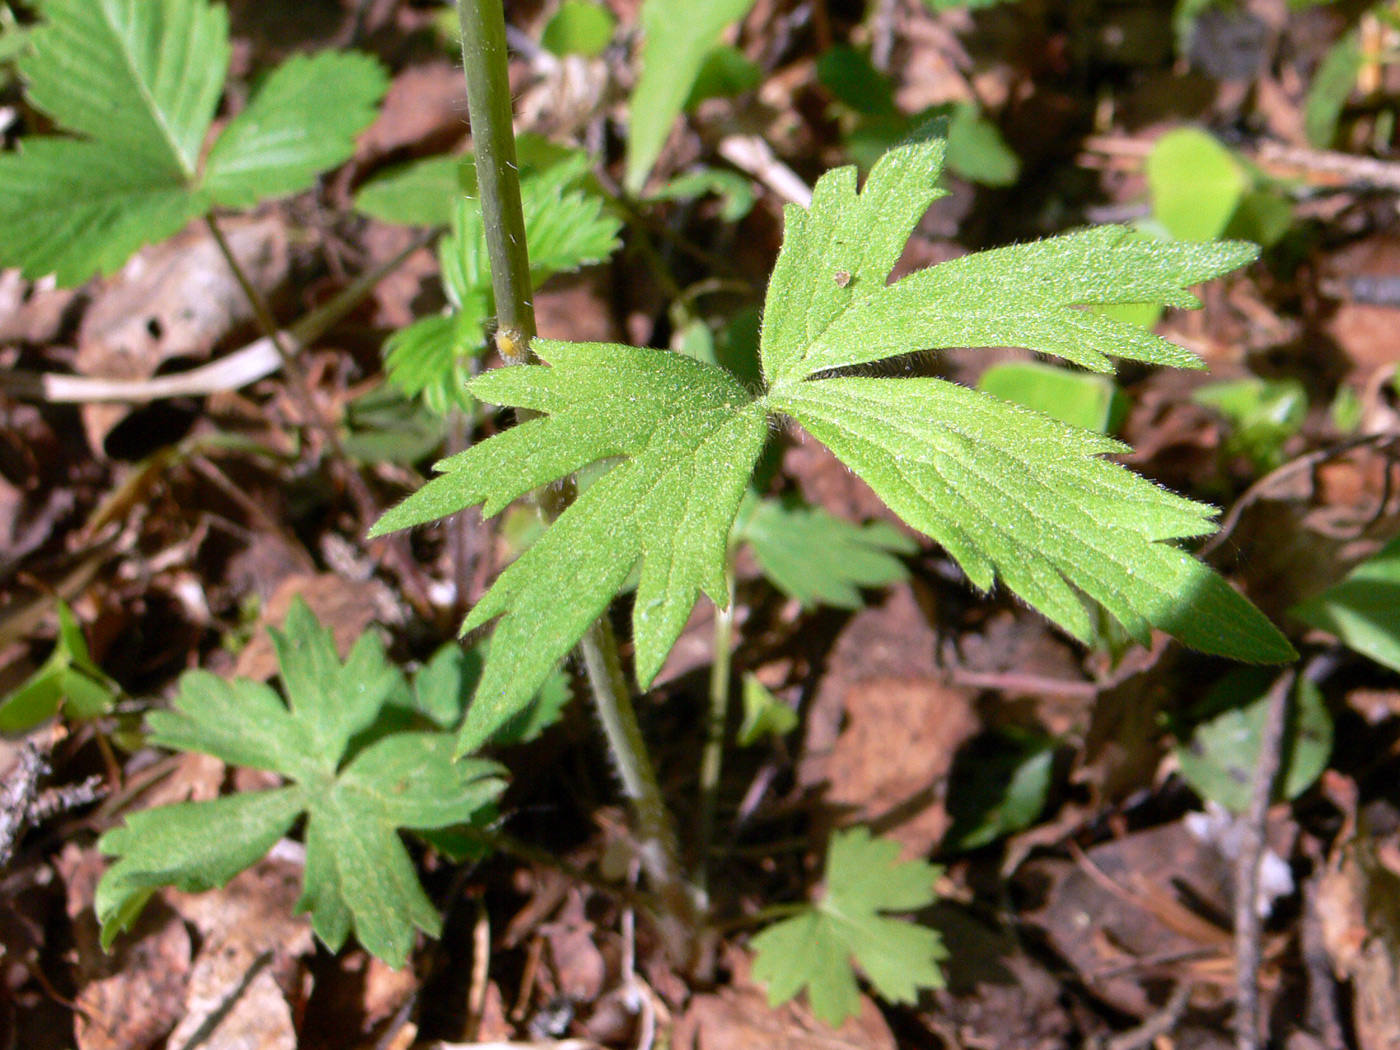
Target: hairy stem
(498, 178)
(713, 756)
(497, 173)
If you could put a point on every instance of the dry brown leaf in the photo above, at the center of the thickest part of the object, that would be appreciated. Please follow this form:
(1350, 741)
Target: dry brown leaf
(177, 299)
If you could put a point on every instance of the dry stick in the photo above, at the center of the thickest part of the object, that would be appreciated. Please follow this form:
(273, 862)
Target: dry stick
(498, 180)
(366, 507)
(255, 361)
(1248, 922)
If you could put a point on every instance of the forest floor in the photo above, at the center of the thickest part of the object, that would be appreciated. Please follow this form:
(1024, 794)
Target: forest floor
(1088, 890)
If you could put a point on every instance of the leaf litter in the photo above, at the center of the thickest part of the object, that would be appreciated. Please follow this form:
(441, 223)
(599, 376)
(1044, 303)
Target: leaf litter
(1158, 916)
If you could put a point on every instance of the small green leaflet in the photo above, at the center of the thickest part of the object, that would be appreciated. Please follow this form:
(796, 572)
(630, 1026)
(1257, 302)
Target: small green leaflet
(135, 84)
(1362, 610)
(358, 874)
(821, 559)
(678, 35)
(764, 714)
(815, 948)
(68, 678)
(1011, 494)
(565, 227)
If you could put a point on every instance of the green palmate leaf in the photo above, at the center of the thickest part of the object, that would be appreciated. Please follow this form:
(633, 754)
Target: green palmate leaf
(678, 35)
(358, 874)
(1012, 494)
(302, 121)
(816, 948)
(136, 83)
(821, 559)
(690, 435)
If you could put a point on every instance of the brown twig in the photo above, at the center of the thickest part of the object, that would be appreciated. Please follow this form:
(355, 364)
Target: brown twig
(1249, 924)
(367, 509)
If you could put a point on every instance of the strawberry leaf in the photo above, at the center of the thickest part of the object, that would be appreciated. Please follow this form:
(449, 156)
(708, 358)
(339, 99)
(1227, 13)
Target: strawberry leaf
(135, 84)
(358, 874)
(302, 121)
(818, 948)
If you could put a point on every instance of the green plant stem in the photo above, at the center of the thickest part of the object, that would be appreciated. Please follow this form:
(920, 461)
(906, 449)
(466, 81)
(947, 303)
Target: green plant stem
(713, 757)
(498, 180)
(497, 172)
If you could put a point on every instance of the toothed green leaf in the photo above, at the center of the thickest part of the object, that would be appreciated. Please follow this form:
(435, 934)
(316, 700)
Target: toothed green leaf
(820, 947)
(688, 435)
(134, 85)
(301, 122)
(1016, 496)
(829, 305)
(1011, 493)
(355, 799)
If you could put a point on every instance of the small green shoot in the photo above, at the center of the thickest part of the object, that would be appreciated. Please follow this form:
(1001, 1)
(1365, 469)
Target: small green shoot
(356, 781)
(820, 947)
(765, 716)
(68, 679)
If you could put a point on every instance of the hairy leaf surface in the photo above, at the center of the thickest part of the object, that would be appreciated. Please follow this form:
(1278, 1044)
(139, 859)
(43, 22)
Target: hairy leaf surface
(688, 435)
(1012, 494)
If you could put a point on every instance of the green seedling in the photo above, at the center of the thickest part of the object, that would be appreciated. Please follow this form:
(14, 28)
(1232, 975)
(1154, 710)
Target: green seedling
(363, 757)
(68, 679)
(820, 947)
